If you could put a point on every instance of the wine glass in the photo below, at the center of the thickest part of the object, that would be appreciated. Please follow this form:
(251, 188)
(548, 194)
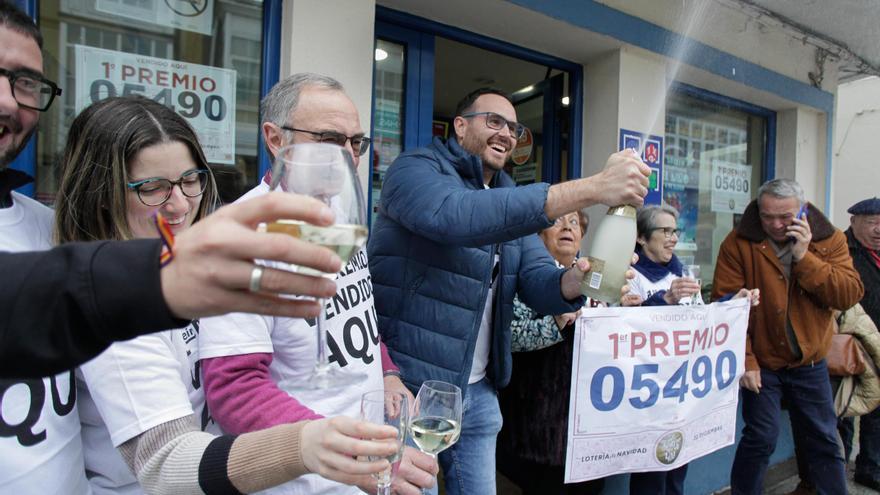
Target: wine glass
(392, 409)
(436, 419)
(325, 172)
(693, 272)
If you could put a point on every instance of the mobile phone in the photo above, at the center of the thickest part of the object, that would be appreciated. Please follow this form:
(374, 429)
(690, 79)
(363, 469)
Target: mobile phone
(801, 214)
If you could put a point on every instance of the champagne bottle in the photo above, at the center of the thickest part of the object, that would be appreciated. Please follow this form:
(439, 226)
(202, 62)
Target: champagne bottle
(611, 254)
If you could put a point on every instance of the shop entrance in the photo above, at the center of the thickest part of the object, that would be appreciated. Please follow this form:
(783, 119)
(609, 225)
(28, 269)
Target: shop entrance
(419, 77)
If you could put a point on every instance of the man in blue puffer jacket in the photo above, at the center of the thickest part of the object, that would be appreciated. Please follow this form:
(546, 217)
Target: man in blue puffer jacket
(452, 244)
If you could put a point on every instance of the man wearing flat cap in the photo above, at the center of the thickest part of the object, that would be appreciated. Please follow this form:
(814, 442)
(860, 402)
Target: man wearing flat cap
(863, 237)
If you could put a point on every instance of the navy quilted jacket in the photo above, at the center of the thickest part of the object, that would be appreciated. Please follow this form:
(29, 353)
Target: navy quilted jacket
(431, 252)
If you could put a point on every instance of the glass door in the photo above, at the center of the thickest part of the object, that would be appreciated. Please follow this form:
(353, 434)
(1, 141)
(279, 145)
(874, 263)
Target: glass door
(538, 156)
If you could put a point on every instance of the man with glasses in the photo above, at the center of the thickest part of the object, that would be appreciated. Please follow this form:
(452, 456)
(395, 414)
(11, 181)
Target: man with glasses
(246, 357)
(452, 244)
(801, 263)
(63, 306)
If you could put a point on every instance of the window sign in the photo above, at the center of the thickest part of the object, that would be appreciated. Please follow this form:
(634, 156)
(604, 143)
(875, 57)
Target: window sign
(731, 186)
(204, 95)
(189, 15)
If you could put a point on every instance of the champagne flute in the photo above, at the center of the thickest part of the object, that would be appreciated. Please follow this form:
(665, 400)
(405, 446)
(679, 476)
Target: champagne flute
(392, 409)
(436, 418)
(325, 172)
(693, 272)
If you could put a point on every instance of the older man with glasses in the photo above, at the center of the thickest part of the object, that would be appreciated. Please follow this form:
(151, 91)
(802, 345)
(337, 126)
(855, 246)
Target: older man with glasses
(248, 360)
(452, 244)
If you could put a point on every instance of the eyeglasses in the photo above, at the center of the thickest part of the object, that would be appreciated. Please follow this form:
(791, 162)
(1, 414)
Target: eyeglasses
(156, 191)
(31, 90)
(572, 223)
(497, 122)
(669, 232)
(359, 144)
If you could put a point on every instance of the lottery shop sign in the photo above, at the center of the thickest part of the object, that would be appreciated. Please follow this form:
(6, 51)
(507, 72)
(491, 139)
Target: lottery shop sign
(653, 387)
(204, 95)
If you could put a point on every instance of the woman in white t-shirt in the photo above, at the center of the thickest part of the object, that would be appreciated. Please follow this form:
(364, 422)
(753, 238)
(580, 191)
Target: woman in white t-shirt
(659, 279)
(142, 406)
(659, 282)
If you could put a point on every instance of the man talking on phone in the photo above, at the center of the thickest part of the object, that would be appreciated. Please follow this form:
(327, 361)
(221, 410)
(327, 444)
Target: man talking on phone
(787, 248)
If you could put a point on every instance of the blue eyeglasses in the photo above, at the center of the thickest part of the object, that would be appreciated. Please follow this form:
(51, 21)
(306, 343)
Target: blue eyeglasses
(156, 191)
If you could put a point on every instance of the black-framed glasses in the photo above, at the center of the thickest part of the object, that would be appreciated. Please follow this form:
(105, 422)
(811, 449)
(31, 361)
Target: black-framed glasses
(359, 144)
(156, 191)
(669, 232)
(497, 122)
(31, 90)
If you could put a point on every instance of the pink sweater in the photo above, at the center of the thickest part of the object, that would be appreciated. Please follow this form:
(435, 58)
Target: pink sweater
(242, 397)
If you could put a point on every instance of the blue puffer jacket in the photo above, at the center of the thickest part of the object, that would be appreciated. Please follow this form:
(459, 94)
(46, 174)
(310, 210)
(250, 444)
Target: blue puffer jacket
(431, 254)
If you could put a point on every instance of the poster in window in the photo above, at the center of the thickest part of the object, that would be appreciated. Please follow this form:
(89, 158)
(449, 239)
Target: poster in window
(731, 186)
(204, 95)
(188, 15)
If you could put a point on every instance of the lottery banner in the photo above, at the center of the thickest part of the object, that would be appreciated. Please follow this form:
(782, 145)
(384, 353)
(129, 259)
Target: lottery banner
(653, 387)
(204, 95)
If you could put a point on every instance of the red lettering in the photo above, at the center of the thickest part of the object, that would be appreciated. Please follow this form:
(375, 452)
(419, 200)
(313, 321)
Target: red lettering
(680, 341)
(701, 338)
(145, 75)
(721, 340)
(613, 339)
(638, 342)
(127, 71)
(203, 84)
(659, 341)
(177, 79)
(162, 78)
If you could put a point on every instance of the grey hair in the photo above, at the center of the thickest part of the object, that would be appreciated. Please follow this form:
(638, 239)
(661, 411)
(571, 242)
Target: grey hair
(283, 98)
(782, 188)
(646, 221)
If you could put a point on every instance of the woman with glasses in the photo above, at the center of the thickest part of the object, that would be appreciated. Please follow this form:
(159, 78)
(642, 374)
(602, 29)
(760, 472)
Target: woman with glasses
(141, 403)
(659, 279)
(534, 405)
(659, 282)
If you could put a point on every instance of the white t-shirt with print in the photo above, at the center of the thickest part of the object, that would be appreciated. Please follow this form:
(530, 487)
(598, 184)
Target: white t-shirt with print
(353, 340)
(130, 388)
(40, 446)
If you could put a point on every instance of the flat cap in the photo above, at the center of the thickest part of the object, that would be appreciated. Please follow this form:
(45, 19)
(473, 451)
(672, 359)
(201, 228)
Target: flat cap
(865, 207)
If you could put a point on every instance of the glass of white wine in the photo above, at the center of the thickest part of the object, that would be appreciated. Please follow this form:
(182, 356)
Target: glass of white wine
(325, 172)
(436, 419)
(392, 409)
(693, 272)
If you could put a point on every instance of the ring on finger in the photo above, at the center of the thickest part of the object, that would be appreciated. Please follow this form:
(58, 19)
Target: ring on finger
(256, 278)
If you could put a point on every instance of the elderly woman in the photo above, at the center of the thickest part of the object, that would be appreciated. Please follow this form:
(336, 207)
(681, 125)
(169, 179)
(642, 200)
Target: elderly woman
(531, 445)
(659, 279)
(141, 403)
(659, 282)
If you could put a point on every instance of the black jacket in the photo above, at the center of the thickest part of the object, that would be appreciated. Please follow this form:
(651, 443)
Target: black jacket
(870, 274)
(64, 306)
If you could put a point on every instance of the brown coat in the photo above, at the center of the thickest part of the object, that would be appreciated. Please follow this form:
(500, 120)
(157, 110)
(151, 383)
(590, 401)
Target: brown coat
(822, 281)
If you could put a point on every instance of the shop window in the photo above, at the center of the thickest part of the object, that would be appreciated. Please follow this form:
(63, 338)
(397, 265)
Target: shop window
(387, 113)
(202, 58)
(714, 163)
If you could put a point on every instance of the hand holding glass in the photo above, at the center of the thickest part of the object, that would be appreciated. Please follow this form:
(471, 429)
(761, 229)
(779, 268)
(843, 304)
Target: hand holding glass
(392, 409)
(436, 422)
(325, 172)
(693, 272)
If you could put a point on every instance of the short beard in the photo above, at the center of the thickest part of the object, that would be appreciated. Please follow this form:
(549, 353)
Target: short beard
(11, 155)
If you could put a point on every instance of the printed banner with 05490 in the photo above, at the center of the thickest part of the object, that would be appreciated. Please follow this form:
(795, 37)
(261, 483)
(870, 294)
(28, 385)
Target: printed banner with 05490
(653, 387)
(204, 95)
